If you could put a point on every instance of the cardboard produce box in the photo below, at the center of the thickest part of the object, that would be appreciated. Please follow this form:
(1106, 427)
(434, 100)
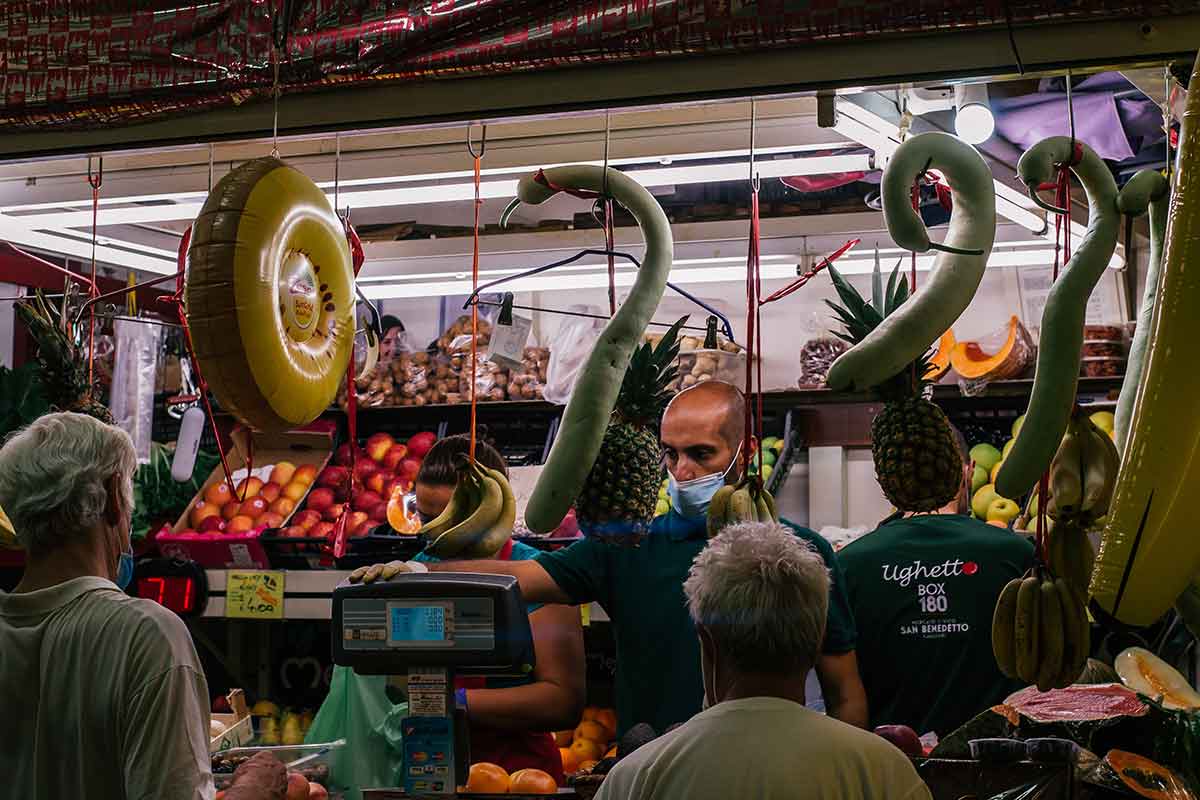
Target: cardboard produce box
(311, 445)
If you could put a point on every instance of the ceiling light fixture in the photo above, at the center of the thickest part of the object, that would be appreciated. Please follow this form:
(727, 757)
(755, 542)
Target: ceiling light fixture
(973, 120)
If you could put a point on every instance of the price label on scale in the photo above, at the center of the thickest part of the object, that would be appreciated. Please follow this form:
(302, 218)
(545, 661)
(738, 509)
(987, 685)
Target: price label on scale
(254, 595)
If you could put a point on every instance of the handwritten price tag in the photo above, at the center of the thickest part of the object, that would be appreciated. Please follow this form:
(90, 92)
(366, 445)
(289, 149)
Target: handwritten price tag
(254, 595)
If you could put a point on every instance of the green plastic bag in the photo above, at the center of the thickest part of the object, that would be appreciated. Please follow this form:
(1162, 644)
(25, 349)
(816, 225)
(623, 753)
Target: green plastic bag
(359, 711)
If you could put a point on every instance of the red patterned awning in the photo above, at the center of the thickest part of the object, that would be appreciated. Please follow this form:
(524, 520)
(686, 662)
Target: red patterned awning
(75, 64)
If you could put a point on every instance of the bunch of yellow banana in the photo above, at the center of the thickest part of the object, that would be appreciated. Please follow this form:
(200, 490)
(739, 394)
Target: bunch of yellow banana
(479, 518)
(1083, 474)
(747, 501)
(1040, 631)
(1070, 555)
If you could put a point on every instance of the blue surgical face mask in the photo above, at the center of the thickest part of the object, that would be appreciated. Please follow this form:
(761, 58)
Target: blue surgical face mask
(125, 566)
(691, 498)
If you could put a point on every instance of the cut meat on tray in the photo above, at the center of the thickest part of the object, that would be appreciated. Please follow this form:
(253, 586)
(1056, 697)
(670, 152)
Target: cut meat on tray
(1077, 703)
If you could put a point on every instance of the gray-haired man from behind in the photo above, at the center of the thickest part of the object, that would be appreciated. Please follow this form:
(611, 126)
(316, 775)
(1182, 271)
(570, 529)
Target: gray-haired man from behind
(759, 596)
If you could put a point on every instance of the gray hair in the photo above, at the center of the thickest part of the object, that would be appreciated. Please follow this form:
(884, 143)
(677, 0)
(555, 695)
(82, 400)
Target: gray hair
(54, 475)
(763, 593)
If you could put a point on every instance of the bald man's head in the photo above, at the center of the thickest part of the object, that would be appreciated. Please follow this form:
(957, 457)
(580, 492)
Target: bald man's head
(702, 429)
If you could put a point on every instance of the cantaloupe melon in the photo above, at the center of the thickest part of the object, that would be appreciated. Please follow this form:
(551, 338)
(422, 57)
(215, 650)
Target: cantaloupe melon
(1144, 672)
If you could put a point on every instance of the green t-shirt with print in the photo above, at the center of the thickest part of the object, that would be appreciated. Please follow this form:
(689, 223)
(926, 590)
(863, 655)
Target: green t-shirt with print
(922, 590)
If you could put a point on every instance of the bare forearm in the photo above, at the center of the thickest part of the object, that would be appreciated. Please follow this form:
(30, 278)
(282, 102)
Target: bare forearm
(842, 688)
(536, 584)
(541, 706)
(850, 709)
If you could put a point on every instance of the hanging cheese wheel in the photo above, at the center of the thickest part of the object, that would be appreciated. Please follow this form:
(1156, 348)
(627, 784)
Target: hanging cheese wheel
(270, 296)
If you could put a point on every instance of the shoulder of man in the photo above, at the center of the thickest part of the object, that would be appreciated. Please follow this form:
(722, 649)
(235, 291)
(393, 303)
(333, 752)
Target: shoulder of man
(815, 539)
(154, 638)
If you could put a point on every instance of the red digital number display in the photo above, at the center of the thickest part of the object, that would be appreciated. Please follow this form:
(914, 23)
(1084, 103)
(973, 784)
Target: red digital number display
(175, 593)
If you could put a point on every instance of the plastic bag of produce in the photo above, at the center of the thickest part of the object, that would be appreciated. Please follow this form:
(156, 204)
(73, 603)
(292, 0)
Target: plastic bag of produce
(132, 399)
(572, 344)
(529, 383)
(357, 710)
(1004, 353)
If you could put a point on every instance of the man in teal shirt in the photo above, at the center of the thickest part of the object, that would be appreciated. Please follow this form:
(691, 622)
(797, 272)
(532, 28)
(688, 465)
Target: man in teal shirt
(641, 588)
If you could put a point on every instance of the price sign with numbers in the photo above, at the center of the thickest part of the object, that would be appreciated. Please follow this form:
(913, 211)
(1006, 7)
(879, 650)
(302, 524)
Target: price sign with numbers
(254, 595)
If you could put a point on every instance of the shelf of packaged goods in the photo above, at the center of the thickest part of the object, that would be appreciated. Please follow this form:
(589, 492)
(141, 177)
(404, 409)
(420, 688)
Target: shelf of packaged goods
(306, 594)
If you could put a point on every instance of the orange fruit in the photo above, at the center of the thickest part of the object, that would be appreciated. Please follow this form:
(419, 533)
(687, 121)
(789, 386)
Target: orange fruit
(593, 731)
(586, 750)
(569, 762)
(531, 781)
(608, 718)
(564, 738)
(486, 778)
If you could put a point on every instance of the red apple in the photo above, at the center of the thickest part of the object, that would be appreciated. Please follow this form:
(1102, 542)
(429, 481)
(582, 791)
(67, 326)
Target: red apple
(342, 455)
(365, 469)
(306, 519)
(378, 513)
(270, 492)
(394, 456)
(334, 477)
(903, 737)
(378, 482)
(364, 501)
(211, 524)
(378, 444)
(334, 512)
(409, 468)
(419, 444)
(320, 499)
(202, 510)
(321, 530)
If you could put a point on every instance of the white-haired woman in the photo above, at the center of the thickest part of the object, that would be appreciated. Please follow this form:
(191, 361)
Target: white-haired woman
(104, 694)
(759, 596)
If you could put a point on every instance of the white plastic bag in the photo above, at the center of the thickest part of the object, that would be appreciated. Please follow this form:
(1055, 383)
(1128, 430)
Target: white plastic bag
(132, 399)
(571, 346)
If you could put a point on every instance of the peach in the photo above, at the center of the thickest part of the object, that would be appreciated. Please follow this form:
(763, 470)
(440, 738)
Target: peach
(240, 524)
(395, 454)
(249, 487)
(283, 507)
(378, 482)
(219, 493)
(320, 499)
(202, 510)
(270, 519)
(305, 473)
(270, 492)
(231, 509)
(306, 519)
(295, 490)
(254, 508)
(282, 473)
(211, 524)
(378, 445)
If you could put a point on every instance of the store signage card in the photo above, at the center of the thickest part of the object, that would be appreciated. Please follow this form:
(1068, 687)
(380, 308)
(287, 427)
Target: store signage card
(254, 594)
(507, 345)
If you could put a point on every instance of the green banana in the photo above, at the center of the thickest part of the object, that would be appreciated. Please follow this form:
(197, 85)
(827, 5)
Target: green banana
(454, 540)
(502, 527)
(1026, 629)
(741, 505)
(1003, 633)
(769, 501)
(1050, 637)
(464, 498)
(1076, 635)
(718, 510)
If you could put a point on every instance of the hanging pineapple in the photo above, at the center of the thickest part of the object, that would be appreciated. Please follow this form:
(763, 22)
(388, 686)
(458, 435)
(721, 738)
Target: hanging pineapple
(917, 461)
(621, 490)
(62, 357)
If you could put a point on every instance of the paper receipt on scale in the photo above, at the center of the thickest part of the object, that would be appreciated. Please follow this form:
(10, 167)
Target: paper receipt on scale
(427, 692)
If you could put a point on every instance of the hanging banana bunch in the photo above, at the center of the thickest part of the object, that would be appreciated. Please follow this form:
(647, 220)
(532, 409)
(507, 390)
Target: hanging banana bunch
(746, 501)
(1083, 475)
(1040, 631)
(479, 518)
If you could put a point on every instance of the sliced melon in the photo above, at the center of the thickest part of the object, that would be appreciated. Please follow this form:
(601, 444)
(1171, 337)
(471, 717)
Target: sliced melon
(971, 361)
(1144, 672)
(940, 362)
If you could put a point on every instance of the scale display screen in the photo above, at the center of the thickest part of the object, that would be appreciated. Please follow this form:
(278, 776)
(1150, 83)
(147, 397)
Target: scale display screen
(417, 624)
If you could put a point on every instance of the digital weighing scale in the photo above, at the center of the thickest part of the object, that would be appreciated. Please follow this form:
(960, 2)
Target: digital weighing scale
(431, 627)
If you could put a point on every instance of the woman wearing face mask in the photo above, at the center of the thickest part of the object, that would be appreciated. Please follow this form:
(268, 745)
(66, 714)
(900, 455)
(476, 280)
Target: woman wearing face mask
(105, 691)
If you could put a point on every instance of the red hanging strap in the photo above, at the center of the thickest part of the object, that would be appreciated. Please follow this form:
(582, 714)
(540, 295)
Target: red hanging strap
(477, 155)
(95, 181)
(811, 273)
(540, 177)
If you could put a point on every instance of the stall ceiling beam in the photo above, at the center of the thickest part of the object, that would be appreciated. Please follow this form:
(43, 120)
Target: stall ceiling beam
(966, 53)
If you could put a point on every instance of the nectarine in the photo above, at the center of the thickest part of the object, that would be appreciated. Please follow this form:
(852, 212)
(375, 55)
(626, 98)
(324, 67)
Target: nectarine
(211, 524)
(395, 454)
(378, 481)
(218, 494)
(378, 445)
(321, 530)
(283, 506)
(365, 501)
(334, 512)
(306, 519)
(231, 509)
(295, 490)
(239, 524)
(282, 473)
(254, 508)
(270, 491)
(320, 499)
(249, 487)
(270, 519)
(305, 473)
(202, 510)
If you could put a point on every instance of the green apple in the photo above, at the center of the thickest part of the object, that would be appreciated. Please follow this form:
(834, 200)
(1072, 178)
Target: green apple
(978, 478)
(766, 472)
(769, 457)
(982, 498)
(1017, 423)
(768, 443)
(1001, 509)
(662, 507)
(1008, 446)
(1104, 420)
(985, 455)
